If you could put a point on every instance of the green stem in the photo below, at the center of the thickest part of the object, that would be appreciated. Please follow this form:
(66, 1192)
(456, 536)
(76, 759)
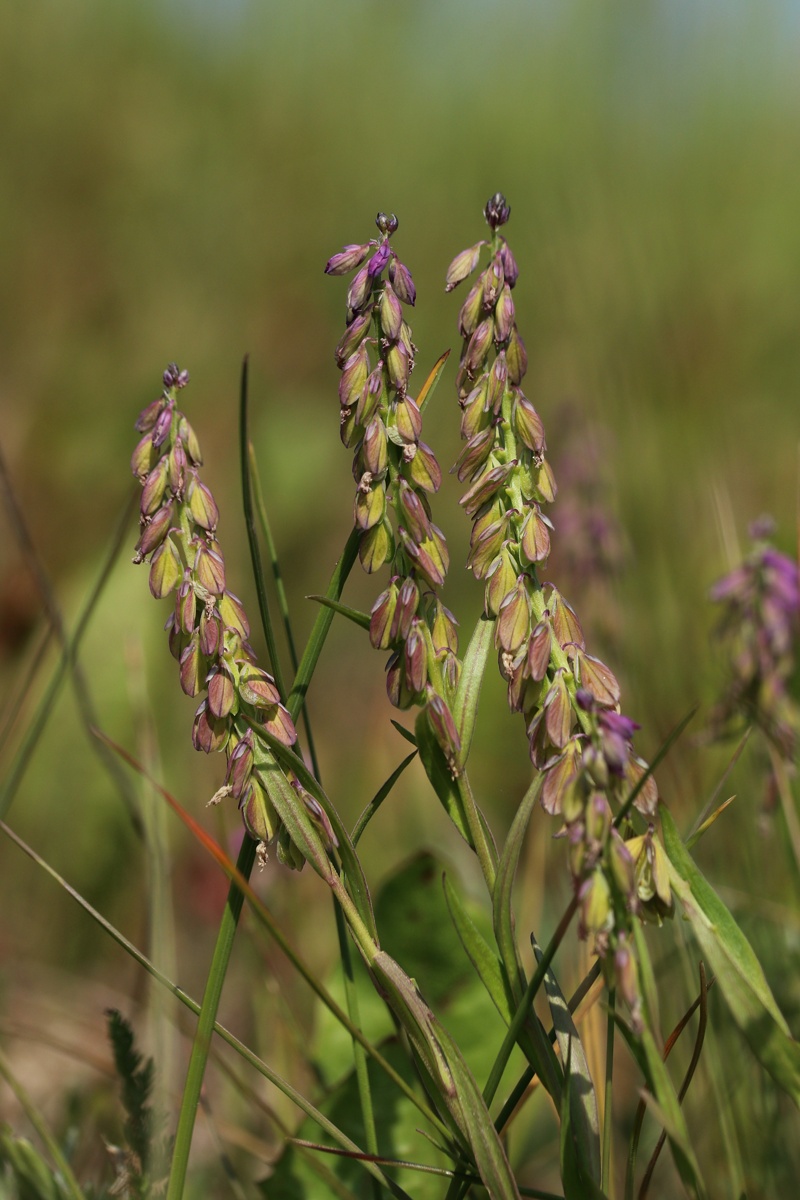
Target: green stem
(487, 856)
(205, 1024)
(608, 1099)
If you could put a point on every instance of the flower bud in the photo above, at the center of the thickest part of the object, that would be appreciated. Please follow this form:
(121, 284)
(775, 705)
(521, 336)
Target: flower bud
(233, 615)
(192, 670)
(444, 628)
(407, 419)
(360, 290)
(503, 314)
(498, 377)
(186, 605)
(257, 687)
(474, 414)
(240, 765)
(209, 734)
(566, 626)
(154, 532)
(471, 310)
(559, 775)
(405, 611)
(177, 468)
(190, 442)
(210, 633)
(148, 416)
(514, 617)
(154, 488)
(396, 688)
(352, 337)
(622, 865)
(412, 511)
(423, 469)
(492, 283)
(375, 447)
(144, 458)
(528, 425)
(370, 503)
(165, 570)
(486, 547)
(462, 265)
(398, 364)
(415, 658)
(478, 347)
(597, 914)
(376, 547)
(260, 819)
(539, 651)
(486, 487)
(382, 616)
(162, 427)
(444, 727)
(277, 720)
(510, 268)
(535, 537)
(209, 569)
(201, 504)
(516, 357)
(600, 681)
(647, 798)
(500, 579)
(221, 692)
(379, 260)
(391, 314)
(497, 210)
(544, 482)
(475, 453)
(558, 715)
(347, 260)
(372, 397)
(402, 282)
(424, 557)
(354, 377)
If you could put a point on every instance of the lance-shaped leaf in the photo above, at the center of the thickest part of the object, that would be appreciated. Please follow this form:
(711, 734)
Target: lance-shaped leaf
(465, 705)
(735, 965)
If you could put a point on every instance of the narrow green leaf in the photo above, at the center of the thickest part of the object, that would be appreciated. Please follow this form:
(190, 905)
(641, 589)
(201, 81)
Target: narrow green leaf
(404, 733)
(465, 705)
(536, 1046)
(480, 953)
(358, 618)
(378, 799)
(735, 965)
(583, 1113)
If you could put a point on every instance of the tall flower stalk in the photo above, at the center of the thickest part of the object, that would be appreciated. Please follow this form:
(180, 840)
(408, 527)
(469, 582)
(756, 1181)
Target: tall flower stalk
(396, 473)
(208, 627)
(578, 738)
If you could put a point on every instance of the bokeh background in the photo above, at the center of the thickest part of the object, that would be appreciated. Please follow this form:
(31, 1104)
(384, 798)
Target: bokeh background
(174, 176)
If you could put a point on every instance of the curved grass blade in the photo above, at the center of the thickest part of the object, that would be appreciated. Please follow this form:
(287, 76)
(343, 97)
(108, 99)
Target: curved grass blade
(736, 967)
(192, 1005)
(584, 1119)
(71, 1186)
(663, 751)
(358, 618)
(378, 799)
(429, 386)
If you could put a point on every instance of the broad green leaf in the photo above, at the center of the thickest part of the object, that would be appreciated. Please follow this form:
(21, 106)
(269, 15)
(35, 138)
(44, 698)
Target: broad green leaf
(465, 705)
(735, 965)
(584, 1120)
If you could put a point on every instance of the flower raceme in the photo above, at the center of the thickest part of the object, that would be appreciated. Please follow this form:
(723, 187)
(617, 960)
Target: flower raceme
(569, 699)
(208, 627)
(395, 473)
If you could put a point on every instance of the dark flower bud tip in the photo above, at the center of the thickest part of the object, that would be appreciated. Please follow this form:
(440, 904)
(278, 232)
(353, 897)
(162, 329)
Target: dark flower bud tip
(497, 210)
(387, 223)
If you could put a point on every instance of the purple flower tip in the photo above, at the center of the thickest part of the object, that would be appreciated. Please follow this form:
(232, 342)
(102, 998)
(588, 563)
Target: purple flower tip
(497, 210)
(584, 699)
(618, 724)
(387, 223)
(762, 528)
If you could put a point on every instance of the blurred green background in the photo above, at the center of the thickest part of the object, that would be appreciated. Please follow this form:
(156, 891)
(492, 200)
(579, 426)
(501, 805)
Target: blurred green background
(174, 177)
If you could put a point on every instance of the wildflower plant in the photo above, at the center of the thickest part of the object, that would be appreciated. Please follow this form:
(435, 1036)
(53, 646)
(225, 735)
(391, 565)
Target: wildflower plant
(623, 853)
(452, 1100)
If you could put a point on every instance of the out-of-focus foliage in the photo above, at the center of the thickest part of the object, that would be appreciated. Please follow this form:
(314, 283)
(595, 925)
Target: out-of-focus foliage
(175, 173)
